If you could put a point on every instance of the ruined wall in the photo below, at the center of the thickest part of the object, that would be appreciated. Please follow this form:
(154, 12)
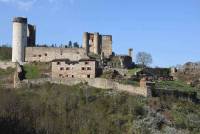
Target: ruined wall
(98, 83)
(109, 84)
(47, 54)
(97, 44)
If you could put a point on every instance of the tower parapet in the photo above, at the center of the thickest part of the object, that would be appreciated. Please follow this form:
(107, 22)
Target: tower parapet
(20, 20)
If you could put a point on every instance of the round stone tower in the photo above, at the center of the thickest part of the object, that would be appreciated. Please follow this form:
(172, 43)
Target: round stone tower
(19, 39)
(130, 52)
(96, 43)
(86, 41)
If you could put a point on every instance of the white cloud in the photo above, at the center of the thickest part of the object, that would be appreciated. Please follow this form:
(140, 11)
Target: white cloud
(27, 4)
(22, 4)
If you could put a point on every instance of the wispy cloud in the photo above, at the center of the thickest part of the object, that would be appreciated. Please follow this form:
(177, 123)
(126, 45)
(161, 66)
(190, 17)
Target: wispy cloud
(27, 4)
(21, 4)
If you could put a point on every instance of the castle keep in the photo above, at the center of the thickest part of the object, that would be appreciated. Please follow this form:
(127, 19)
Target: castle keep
(97, 44)
(24, 35)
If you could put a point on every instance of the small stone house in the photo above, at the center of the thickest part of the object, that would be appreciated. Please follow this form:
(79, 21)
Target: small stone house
(64, 68)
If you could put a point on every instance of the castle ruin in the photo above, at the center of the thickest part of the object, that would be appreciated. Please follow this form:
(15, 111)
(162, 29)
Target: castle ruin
(100, 46)
(97, 44)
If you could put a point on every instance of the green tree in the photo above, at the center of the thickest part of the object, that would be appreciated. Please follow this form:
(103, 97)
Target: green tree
(70, 44)
(75, 45)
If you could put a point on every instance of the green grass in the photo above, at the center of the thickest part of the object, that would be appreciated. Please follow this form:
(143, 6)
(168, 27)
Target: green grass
(32, 72)
(35, 70)
(130, 82)
(177, 84)
(133, 71)
(5, 72)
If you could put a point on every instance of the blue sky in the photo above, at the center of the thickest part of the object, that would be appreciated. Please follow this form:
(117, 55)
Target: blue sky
(168, 29)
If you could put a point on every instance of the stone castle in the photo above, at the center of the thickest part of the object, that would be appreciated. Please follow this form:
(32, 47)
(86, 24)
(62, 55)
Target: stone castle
(70, 65)
(66, 62)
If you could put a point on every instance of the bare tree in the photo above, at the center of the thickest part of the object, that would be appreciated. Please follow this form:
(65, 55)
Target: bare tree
(144, 58)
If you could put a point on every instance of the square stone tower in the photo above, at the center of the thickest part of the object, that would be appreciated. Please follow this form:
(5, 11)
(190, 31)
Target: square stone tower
(97, 44)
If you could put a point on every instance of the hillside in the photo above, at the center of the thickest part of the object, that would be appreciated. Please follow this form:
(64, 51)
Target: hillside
(5, 53)
(57, 109)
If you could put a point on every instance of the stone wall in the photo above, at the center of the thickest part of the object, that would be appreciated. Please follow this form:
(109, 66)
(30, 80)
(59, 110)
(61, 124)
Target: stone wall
(47, 54)
(97, 83)
(6, 64)
(121, 71)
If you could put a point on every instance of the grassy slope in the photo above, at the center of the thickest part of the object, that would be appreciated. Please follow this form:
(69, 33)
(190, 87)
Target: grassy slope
(83, 110)
(177, 84)
(6, 72)
(133, 71)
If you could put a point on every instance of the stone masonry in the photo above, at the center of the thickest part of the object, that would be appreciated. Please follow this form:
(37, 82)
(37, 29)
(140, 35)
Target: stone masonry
(84, 68)
(97, 44)
(47, 54)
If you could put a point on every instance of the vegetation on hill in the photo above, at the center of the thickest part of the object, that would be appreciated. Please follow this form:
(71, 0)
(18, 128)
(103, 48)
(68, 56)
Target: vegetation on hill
(5, 53)
(37, 70)
(6, 72)
(133, 71)
(58, 109)
(176, 85)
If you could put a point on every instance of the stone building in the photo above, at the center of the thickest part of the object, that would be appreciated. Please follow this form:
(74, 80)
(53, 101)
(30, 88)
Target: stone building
(97, 44)
(47, 54)
(64, 68)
